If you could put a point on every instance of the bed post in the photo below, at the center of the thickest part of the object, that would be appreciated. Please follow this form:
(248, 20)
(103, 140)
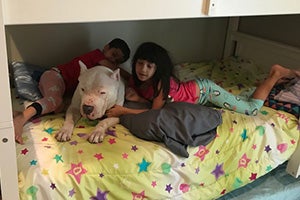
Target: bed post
(8, 163)
(293, 166)
(230, 44)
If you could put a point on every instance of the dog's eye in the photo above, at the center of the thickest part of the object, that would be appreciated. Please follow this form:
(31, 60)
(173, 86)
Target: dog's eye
(82, 89)
(102, 92)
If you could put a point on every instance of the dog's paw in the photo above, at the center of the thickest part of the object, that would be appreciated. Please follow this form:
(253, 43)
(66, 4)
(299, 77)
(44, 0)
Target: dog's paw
(97, 135)
(64, 134)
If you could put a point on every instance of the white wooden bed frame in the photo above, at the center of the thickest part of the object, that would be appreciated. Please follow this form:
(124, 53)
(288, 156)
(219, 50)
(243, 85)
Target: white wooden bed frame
(13, 12)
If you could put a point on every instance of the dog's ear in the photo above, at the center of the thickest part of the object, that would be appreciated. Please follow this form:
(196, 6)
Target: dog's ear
(83, 67)
(116, 75)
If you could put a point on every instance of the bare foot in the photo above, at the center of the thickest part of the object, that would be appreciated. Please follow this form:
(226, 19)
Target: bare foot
(282, 72)
(297, 72)
(18, 126)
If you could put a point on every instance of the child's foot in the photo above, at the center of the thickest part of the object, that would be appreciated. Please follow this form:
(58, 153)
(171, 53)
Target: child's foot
(297, 72)
(18, 126)
(282, 72)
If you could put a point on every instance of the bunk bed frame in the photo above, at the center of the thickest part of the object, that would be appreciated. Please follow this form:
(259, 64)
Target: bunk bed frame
(14, 12)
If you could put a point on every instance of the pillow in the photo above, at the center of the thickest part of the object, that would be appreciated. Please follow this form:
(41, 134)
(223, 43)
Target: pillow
(26, 78)
(289, 107)
(177, 125)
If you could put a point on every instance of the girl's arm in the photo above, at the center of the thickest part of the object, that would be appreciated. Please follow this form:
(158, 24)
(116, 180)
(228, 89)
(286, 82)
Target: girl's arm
(116, 111)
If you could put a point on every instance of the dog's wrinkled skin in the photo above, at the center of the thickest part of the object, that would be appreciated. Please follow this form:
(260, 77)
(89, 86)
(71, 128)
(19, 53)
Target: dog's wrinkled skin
(98, 90)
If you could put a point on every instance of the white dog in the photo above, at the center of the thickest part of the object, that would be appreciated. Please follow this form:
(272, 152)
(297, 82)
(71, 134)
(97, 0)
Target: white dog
(98, 90)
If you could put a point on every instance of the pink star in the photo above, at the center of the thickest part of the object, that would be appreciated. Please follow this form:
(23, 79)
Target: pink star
(80, 151)
(125, 155)
(77, 170)
(98, 156)
(253, 176)
(153, 184)
(44, 139)
(202, 151)
(254, 146)
(243, 162)
(112, 140)
(24, 151)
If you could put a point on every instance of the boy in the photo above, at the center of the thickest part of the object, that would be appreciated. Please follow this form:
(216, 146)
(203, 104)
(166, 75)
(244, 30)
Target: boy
(63, 79)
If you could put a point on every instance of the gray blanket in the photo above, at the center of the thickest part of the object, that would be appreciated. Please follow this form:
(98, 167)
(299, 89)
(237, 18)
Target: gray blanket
(177, 125)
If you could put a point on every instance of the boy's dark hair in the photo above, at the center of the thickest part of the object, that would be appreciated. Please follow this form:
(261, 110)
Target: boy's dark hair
(156, 54)
(122, 45)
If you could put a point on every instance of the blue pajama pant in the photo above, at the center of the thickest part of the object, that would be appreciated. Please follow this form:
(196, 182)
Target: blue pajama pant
(211, 92)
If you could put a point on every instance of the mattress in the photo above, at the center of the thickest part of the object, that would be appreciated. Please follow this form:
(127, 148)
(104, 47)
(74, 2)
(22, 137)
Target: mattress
(126, 167)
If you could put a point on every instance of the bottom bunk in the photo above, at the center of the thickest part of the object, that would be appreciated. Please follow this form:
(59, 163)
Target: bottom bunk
(241, 150)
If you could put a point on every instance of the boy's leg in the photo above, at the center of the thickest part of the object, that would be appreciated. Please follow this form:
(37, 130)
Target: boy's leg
(52, 88)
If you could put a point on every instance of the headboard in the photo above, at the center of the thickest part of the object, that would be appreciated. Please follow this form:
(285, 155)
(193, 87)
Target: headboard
(263, 51)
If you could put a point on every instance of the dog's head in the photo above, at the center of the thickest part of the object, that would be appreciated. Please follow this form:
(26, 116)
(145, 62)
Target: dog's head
(100, 88)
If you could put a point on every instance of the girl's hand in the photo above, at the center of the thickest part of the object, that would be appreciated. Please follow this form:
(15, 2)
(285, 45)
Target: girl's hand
(115, 111)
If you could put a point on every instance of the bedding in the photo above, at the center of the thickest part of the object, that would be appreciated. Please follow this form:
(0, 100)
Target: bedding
(177, 125)
(124, 166)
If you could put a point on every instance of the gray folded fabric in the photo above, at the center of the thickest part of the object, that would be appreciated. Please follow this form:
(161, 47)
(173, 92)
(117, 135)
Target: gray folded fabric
(177, 125)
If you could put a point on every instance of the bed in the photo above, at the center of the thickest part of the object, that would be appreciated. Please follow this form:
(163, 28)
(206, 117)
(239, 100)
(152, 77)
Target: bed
(245, 152)
(123, 166)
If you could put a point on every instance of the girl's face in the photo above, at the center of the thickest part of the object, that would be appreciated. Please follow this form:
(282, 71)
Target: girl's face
(144, 69)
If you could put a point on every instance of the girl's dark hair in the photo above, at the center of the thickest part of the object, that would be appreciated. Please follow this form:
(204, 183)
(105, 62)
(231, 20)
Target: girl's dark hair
(156, 54)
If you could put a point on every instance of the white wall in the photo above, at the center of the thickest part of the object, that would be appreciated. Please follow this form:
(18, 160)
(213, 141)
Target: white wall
(185, 39)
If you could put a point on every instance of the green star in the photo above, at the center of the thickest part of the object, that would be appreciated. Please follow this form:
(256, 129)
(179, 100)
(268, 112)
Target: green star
(58, 158)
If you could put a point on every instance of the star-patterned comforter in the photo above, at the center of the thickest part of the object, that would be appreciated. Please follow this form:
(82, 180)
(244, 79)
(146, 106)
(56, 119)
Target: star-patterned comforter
(126, 167)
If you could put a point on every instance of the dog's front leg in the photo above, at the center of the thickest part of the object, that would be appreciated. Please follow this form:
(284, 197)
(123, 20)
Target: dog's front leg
(98, 134)
(65, 133)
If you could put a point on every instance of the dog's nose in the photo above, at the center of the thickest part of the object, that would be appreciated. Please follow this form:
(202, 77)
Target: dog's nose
(87, 109)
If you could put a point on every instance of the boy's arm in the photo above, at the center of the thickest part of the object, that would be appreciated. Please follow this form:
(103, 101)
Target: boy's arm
(108, 64)
(124, 74)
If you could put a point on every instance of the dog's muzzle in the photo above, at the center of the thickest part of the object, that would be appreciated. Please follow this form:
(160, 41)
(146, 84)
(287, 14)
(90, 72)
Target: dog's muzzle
(87, 109)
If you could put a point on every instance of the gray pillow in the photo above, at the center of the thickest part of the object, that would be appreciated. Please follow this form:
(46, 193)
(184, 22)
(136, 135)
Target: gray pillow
(177, 125)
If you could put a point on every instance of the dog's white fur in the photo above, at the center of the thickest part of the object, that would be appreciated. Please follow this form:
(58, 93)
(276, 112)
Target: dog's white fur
(98, 90)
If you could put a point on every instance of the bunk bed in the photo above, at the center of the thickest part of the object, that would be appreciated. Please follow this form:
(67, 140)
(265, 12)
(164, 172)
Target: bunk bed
(46, 169)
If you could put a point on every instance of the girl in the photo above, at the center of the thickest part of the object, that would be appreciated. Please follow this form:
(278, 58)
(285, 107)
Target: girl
(152, 81)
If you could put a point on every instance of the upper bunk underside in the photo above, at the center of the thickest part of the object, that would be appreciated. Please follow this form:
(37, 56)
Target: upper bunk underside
(57, 11)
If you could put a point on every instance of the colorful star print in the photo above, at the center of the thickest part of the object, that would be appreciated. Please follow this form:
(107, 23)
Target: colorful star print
(218, 171)
(168, 188)
(77, 171)
(253, 176)
(100, 195)
(261, 130)
(138, 196)
(58, 158)
(143, 165)
(32, 190)
(268, 148)
(33, 162)
(243, 162)
(112, 140)
(166, 168)
(153, 184)
(202, 151)
(244, 135)
(24, 151)
(72, 192)
(49, 130)
(98, 156)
